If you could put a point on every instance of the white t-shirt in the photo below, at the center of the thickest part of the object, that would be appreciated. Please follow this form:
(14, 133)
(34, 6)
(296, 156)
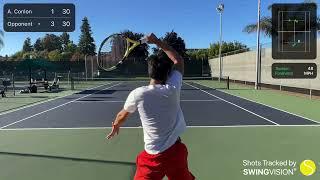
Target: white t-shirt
(160, 113)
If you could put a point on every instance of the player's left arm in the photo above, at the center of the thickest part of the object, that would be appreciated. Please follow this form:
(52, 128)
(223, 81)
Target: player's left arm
(121, 117)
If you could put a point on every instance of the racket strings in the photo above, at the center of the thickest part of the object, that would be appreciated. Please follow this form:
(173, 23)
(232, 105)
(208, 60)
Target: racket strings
(112, 52)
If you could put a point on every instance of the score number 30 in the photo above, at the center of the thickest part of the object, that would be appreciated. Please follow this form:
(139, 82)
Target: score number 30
(64, 23)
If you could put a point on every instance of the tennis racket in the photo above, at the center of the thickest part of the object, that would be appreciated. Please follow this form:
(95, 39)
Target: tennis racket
(114, 50)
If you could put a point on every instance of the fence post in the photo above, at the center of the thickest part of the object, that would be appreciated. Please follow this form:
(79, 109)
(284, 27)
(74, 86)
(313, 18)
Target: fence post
(72, 83)
(68, 77)
(91, 67)
(228, 85)
(13, 86)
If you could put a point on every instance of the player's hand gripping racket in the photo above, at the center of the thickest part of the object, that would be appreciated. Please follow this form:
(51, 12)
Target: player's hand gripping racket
(115, 49)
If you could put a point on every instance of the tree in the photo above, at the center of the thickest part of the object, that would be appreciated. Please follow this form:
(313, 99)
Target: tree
(17, 56)
(266, 23)
(198, 54)
(226, 47)
(38, 45)
(55, 55)
(140, 52)
(76, 56)
(66, 56)
(31, 55)
(69, 51)
(65, 40)
(86, 42)
(51, 42)
(173, 40)
(27, 47)
(44, 54)
(71, 47)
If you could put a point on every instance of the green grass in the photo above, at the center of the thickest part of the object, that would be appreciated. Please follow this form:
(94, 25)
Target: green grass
(298, 105)
(214, 153)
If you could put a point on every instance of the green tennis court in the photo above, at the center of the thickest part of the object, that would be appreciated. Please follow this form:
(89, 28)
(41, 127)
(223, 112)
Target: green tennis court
(66, 145)
(84, 153)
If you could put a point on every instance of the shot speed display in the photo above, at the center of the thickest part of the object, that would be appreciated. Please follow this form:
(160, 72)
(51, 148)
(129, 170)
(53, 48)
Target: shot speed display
(39, 17)
(294, 70)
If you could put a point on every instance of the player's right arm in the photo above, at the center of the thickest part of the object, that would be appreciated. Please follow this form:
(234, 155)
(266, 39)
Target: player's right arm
(175, 57)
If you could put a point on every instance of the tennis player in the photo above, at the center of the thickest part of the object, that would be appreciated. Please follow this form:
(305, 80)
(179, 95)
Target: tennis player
(162, 120)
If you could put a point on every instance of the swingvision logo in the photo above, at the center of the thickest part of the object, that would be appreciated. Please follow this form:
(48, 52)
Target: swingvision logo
(279, 167)
(269, 167)
(308, 167)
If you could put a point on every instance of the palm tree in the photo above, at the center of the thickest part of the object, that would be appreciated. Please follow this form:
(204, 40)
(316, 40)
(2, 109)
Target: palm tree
(266, 23)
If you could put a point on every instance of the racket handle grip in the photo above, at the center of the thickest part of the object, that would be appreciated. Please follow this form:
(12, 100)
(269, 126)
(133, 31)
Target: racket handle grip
(143, 41)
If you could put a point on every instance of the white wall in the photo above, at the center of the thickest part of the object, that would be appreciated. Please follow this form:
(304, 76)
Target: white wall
(242, 67)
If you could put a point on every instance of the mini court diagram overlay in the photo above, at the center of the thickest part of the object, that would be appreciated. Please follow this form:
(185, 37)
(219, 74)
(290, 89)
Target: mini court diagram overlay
(294, 31)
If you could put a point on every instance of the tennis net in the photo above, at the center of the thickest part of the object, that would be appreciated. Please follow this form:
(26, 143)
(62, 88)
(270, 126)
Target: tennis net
(132, 83)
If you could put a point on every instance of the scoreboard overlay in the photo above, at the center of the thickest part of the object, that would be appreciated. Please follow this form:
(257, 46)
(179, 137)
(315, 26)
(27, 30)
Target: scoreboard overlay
(24, 17)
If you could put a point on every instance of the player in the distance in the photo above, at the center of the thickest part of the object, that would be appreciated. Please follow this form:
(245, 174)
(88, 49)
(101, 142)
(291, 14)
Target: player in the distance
(162, 120)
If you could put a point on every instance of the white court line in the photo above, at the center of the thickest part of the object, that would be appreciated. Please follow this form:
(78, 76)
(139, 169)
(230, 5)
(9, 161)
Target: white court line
(57, 106)
(234, 104)
(97, 128)
(187, 100)
(205, 100)
(41, 102)
(265, 105)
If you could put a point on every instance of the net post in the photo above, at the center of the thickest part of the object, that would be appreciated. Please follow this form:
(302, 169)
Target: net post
(228, 84)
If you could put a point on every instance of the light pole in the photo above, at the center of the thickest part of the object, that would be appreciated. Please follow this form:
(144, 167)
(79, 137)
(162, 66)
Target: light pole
(85, 66)
(220, 9)
(258, 48)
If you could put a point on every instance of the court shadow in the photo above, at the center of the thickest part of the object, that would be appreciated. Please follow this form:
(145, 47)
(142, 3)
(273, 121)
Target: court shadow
(101, 98)
(122, 163)
(105, 91)
(97, 92)
(91, 100)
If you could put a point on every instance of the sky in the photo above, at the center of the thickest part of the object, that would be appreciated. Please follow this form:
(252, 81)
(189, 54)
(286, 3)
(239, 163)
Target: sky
(196, 21)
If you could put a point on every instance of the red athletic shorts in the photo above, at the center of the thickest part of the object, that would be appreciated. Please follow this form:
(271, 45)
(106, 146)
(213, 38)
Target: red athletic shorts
(172, 163)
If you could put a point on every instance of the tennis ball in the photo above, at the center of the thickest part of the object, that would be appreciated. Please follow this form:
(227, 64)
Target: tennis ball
(308, 167)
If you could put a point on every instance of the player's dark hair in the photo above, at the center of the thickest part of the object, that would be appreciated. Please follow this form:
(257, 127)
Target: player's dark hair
(159, 68)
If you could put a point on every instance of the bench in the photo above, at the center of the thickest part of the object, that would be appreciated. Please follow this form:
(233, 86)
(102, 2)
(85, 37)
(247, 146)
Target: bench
(54, 85)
